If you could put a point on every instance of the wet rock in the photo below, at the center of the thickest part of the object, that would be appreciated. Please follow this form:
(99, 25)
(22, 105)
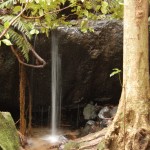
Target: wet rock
(106, 115)
(89, 111)
(87, 61)
(9, 77)
(90, 127)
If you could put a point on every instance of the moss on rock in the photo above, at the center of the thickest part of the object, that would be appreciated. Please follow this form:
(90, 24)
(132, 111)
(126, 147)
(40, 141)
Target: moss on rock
(71, 146)
(9, 139)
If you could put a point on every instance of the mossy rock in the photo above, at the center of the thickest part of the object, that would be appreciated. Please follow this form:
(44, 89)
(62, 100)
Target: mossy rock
(9, 139)
(101, 145)
(71, 146)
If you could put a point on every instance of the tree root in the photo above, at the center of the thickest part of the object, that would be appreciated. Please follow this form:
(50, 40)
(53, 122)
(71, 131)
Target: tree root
(135, 139)
(91, 140)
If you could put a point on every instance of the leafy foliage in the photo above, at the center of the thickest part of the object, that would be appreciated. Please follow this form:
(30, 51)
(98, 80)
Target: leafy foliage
(20, 24)
(18, 40)
(6, 4)
(44, 15)
(116, 8)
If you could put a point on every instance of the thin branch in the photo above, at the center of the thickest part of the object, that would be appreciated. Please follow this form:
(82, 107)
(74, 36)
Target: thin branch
(34, 53)
(52, 12)
(12, 21)
(25, 64)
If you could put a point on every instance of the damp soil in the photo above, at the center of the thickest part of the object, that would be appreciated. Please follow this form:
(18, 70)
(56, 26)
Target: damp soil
(38, 140)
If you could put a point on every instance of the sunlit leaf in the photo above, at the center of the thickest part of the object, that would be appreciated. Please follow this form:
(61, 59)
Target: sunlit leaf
(7, 36)
(17, 9)
(7, 42)
(115, 71)
(6, 24)
(34, 31)
(104, 7)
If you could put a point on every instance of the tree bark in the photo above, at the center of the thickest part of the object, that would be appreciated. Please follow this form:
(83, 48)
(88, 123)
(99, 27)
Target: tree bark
(30, 109)
(22, 87)
(130, 129)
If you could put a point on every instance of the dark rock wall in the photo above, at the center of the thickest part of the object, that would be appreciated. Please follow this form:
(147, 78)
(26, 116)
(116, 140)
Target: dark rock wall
(9, 75)
(87, 61)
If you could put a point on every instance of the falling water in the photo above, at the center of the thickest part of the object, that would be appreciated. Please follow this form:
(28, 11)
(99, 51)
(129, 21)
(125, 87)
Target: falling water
(56, 85)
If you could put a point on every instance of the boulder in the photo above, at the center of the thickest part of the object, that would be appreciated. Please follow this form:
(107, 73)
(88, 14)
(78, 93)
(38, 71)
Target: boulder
(9, 139)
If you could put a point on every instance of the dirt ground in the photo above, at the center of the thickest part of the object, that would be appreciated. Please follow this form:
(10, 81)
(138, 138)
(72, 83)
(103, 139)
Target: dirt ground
(38, 140)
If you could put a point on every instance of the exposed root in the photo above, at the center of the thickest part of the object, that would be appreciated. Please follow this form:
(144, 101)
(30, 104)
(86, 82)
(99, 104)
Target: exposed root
(140, 140)
(134, 139)
(90, 141)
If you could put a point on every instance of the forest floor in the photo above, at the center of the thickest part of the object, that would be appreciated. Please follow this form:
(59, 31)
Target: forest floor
(39, 139)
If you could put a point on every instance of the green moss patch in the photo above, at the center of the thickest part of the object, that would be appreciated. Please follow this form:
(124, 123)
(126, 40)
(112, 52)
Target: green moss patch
(9, 139)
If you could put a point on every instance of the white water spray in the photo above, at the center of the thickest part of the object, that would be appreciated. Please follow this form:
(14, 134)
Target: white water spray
(56, 85)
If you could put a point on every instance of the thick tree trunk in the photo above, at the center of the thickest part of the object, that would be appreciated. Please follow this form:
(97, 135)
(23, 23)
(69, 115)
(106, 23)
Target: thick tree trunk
(130, 129)
(22, 98)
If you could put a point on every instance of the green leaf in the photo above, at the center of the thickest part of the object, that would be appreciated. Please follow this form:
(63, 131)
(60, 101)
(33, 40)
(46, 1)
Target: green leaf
(91, 29)
(17, 9)
(0, 43)
(6, 24)
(37, 1)
(63, 1)
(83, 23)
(34, 31)
(104, 7)
(98, 7)
(84, 30)
(88, 5)
(86, 13)
(7, 36)
(7, 42)
(115, 71)
(41, 13)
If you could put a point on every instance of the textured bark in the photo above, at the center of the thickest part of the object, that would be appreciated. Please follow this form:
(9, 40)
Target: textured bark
(30, 110)
(130, 128)
(22, 98)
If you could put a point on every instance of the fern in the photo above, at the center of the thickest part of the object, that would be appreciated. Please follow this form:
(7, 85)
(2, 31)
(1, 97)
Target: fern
(19, 24)
(19, 41)
(6, 4)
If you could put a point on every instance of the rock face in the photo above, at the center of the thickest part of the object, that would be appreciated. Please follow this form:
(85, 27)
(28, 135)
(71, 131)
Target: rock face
(87, 61)
(9, 75)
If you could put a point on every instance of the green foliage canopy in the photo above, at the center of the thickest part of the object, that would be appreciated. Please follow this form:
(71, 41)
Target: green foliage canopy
(30, 17)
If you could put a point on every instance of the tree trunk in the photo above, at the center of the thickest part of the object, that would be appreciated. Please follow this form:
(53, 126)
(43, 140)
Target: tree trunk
(30, 109)
(130, 129)
(22, 98)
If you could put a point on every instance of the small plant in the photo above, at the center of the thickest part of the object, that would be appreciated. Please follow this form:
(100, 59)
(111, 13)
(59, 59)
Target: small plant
(116, 71)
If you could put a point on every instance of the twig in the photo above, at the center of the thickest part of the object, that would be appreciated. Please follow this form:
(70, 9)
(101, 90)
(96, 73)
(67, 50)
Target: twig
(34, 53)
(25, 64)
(38, 17)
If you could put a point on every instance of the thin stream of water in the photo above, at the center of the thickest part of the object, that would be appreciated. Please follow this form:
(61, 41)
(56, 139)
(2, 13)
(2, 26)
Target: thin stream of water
(56, 85)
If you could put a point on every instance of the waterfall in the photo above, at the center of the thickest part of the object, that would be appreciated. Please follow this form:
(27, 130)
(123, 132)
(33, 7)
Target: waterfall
(56, 84)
